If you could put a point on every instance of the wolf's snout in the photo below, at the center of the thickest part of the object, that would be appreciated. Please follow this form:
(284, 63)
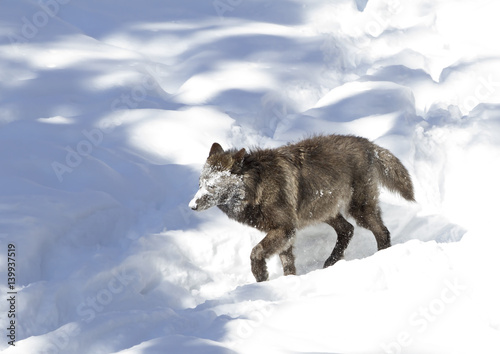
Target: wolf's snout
(193, 205)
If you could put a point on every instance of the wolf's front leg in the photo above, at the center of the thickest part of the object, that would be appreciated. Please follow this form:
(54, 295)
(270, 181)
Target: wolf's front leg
(259, 267)
(276, 241)
(288, 261)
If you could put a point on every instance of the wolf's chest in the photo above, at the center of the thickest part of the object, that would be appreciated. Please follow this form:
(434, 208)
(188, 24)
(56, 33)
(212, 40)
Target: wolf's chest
(248, 214)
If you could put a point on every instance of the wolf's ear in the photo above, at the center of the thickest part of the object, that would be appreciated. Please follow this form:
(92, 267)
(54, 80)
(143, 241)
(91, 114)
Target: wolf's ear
(238, 157)
(215, 149)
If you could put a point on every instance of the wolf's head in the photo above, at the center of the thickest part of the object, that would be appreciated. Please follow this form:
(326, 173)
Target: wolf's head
(219, 182)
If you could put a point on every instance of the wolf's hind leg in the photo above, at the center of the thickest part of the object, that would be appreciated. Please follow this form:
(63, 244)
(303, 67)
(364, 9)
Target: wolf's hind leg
(288, 261)
(275, 241)
(370, 217)
(344, 234)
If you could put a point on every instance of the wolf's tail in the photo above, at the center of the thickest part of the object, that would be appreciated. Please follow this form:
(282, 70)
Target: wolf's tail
(393, 175)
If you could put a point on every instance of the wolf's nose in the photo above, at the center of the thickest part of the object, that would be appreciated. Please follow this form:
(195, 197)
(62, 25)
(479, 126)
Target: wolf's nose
(193, 205)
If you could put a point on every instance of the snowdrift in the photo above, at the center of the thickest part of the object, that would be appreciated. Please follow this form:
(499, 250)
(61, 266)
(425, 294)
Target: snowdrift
(107, 113)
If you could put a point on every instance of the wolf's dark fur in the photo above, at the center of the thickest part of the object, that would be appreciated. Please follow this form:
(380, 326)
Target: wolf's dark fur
(319, 179)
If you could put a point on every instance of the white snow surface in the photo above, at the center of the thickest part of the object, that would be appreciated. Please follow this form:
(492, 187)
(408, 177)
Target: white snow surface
(108, 110)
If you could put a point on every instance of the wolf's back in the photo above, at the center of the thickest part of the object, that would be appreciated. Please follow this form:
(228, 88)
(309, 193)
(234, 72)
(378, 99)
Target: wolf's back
(393, 175)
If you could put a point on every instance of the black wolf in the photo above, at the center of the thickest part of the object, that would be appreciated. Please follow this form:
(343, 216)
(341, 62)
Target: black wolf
(319, 179)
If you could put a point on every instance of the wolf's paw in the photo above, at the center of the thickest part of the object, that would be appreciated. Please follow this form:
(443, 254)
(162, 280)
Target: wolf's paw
(259, 267)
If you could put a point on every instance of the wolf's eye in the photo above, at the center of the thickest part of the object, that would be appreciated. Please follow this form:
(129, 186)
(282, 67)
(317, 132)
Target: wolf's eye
(210, 186)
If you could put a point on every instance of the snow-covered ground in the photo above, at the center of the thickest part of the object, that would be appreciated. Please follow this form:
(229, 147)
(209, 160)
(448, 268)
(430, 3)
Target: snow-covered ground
(107, 112)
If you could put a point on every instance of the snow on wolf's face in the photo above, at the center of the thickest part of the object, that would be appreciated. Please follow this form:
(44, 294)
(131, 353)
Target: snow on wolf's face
(217, 187)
